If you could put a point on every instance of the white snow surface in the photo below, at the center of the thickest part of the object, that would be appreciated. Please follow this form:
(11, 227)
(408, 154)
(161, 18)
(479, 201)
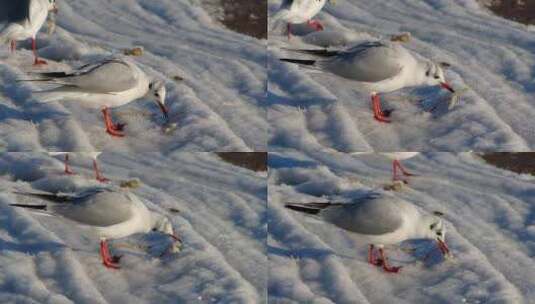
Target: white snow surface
(489, 217)
(493, 64)
(221, 220)
(217, 107)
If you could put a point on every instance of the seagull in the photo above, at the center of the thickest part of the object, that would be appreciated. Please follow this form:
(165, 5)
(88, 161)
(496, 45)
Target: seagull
(94, 155)
(378, 67)
(109, 214)
(380, 221)
(300, 11)
(103, 85)
(396, 164)
(22, 19)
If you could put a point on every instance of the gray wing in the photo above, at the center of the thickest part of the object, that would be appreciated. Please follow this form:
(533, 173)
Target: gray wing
(101, 209)
(370, 216)
(104, 77)
(14, 10)
(367, 62)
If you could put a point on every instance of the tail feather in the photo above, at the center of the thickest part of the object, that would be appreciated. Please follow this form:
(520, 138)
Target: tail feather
(299, 61)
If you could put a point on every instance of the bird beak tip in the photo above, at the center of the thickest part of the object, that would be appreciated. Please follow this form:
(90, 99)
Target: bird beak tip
(446, 86)
(443, 247)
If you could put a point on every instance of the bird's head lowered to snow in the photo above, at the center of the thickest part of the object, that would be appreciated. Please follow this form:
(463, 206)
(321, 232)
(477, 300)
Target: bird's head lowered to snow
(436, 230)
(157, 92)
(162, 224)
(434, 75)
(52, 6)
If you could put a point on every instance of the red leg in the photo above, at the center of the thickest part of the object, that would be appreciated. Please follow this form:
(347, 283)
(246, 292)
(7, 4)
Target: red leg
(98, 174)
(378, 114)
(405, 172)
(394, 171)
(395, 176)
(34, 48)
(107, 260)
(316, 25)
(386, 267)
(289, 29)
(13, 46)
(372, 259)
(68, 170)
(111, 128)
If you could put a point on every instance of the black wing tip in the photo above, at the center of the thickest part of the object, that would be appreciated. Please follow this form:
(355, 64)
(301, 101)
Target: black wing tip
(299, 61)
(36, 207)
(302, 208)
(315, 52)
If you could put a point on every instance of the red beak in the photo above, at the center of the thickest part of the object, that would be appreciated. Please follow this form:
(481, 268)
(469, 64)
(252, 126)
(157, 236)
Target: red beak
(443, 247)
(175, 237)
(447, 87)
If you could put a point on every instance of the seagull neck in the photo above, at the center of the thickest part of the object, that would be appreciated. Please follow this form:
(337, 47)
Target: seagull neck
(419, 73)
(421, 227)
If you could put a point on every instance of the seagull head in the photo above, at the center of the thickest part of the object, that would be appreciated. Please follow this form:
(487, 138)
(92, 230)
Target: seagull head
(52, 6)
(436, 230)
(163, 225)
(157, 92)
(434, 75)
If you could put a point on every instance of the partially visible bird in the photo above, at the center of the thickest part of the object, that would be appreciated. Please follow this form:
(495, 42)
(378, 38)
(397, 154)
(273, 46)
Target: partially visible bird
(106, 213)
(22, 19)
(378, 67)
(106, 84)
(379, 220)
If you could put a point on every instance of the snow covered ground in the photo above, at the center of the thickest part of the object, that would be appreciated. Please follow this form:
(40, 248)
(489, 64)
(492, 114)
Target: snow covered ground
(218, 105)
(490, 222)
(492, 58)
(219, 210)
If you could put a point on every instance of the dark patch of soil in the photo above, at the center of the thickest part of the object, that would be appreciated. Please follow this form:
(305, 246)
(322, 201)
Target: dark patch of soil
(523, 163)
(256, 161)
(522, 11)
(248, 17)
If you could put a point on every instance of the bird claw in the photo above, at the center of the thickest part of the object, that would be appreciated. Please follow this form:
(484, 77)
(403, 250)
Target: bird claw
(116, 258)
(118, 126)
(316, 25)
(111, 264)
(39, 62)
(113, 132)
(102, 179)
(392, 269)
(386, 113)
(381, 118)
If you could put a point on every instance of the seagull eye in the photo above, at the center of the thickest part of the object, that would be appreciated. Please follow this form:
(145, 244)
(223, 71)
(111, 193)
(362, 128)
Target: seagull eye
(156, 94)
(436, 77)
(439, 233)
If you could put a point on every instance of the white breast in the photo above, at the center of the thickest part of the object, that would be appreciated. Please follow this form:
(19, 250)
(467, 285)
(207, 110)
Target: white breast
(38, 15)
